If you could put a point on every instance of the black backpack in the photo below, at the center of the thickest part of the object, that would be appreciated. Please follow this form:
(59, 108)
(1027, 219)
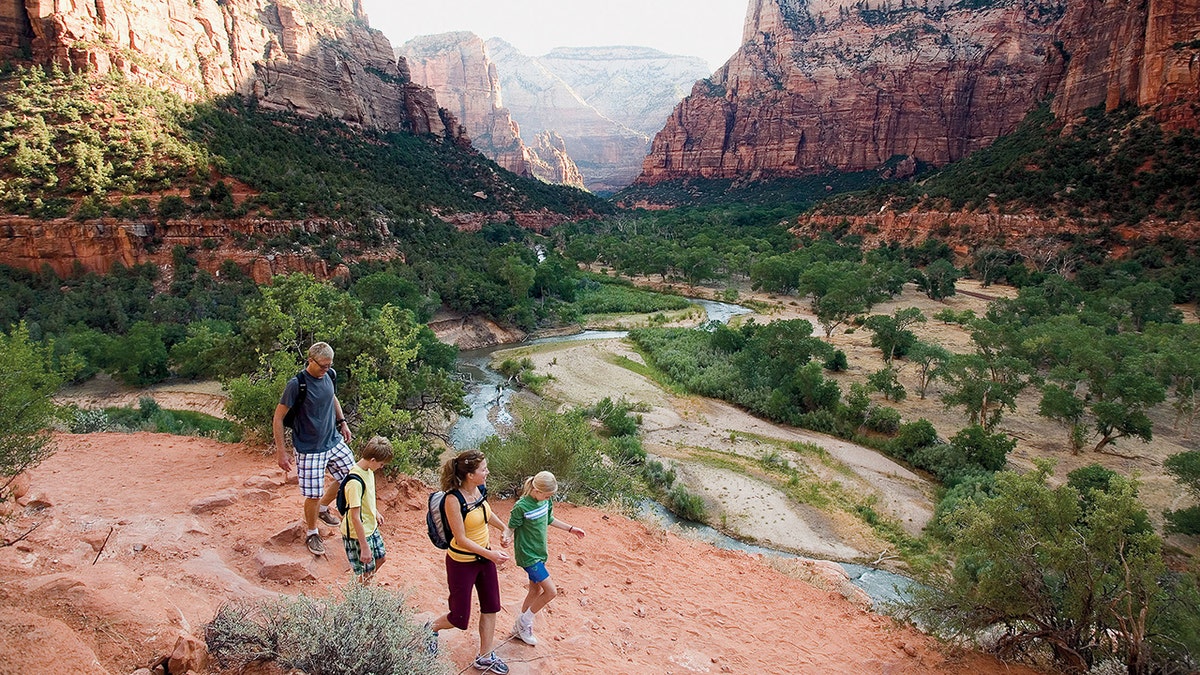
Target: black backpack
(289, 418)
(341, 493)
(435, 517)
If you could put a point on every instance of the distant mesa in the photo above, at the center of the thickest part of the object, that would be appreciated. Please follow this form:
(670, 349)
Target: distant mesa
(456, 66)
(582, 114)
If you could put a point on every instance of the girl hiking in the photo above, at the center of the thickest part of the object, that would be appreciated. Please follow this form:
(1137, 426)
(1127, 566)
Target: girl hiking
(528, 525)
(470, 563)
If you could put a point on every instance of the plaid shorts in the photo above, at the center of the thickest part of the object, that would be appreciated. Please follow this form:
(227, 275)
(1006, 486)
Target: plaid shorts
(353, 554)
(311, 466)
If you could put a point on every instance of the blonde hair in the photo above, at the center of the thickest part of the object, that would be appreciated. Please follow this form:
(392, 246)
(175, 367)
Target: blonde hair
(378, 449)
(544, 481)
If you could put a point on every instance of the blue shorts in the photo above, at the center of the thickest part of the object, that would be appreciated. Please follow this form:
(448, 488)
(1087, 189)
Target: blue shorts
(353, 553)
(537, 572)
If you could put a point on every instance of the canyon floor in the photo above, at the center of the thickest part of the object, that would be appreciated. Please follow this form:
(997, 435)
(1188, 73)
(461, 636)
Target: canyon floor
(140, 537)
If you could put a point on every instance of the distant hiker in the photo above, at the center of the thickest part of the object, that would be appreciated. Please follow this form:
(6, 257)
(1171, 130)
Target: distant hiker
(320, 435)
(528, 525)
(360, 525)
(470, 563)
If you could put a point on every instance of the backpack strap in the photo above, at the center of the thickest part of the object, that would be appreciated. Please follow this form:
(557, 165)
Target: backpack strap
(462, 501)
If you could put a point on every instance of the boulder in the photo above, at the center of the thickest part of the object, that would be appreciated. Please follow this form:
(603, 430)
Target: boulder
(190, 654)
(278, 566)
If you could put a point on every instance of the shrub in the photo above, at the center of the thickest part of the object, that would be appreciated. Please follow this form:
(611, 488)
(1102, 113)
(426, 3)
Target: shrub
(837, 362)
(687, 505)
(883, 419)
(88, 421)
(627, 450)
(657, 476)
(564, 444)
(366, 630)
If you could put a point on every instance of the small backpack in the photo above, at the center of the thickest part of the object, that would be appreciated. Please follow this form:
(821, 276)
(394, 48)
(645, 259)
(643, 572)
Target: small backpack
(341, 493)
(435, 517)
(289, 418)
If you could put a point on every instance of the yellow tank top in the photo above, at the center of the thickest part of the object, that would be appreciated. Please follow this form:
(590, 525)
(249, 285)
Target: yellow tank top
(475, 524)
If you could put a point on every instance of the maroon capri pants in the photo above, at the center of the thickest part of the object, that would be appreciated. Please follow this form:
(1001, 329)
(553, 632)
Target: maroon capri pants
(461, 577)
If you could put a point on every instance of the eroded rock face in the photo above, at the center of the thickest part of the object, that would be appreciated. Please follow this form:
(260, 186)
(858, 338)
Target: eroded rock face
(314, 58)
(98, 245)
(458, 68)
(831, 85)
(1146, 53)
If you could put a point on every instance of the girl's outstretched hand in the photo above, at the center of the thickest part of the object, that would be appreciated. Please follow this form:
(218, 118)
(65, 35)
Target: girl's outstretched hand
(578, 532)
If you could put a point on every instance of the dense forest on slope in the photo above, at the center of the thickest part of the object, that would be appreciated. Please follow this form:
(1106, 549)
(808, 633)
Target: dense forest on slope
(84, 146)
(1117, 168)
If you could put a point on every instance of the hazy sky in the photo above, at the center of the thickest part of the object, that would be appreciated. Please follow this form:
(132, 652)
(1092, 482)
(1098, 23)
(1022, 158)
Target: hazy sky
(710, 29)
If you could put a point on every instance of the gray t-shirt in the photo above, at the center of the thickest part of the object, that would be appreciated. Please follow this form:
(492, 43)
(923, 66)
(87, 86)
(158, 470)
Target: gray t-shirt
(314, 429)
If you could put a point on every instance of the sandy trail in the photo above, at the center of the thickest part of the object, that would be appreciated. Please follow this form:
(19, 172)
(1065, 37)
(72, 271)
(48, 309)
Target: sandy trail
(142, 536)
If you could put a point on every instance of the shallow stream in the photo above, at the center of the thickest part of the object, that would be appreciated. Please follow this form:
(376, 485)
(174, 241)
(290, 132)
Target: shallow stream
(488, 395)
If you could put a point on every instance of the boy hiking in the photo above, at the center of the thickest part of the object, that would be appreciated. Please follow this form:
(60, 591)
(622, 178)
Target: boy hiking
(360, 523)
(528, 524)
(320, 435)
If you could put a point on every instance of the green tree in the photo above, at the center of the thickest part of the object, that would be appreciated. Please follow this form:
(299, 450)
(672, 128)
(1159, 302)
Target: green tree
(1081, 578)
(891, 334)
(140, 357)
(984, 387)
(1064, 406)
(29, 379)
(1185, 467)
(937, 281)
(929, 359)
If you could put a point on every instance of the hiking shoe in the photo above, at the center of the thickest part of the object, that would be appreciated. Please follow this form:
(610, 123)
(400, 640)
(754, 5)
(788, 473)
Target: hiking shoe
(315, 545)
(329, 518)
(490, 663)
(524, 633)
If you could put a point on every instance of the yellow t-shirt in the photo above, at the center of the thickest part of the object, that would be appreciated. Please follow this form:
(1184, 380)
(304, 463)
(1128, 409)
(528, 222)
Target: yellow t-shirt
(364, 499)
(476, 525)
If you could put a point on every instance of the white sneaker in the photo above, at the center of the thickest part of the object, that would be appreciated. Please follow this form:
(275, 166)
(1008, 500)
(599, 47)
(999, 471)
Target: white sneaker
(524, 633)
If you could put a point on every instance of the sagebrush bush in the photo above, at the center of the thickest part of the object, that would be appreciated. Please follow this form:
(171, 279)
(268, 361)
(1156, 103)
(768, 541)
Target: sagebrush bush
(564, 444)
(364, 629)
(687, 505)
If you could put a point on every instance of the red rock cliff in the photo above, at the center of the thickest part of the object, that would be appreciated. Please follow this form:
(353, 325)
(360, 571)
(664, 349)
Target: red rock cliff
(317, 57)
(457, 67)
(840, 85)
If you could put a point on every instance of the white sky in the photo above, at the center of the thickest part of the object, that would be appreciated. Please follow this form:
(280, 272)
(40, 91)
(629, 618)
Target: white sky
(709, 29)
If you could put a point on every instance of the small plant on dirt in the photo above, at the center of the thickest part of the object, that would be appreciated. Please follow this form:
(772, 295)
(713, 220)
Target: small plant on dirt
(364, 629)
(687, 505)
(88, 421)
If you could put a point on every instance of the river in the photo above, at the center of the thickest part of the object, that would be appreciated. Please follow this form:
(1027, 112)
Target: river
(488, 396)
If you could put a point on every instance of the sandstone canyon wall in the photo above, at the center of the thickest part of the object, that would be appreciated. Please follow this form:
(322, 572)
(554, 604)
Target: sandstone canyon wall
(840, 85)
(457, 67)
(315, 57)
(604, 102)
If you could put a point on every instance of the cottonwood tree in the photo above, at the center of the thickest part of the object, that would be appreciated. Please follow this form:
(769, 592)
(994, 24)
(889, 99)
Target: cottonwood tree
(984, 386)
(929, 359)
(891, 334)
(1185, 467)
(1080, 575)
(28, 380)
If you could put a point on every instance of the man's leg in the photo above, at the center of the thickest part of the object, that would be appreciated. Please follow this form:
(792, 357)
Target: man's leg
(310, 511)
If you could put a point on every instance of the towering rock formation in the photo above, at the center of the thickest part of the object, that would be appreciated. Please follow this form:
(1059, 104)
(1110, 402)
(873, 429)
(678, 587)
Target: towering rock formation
(603, 101)
(636, 87)
(847, 85)
(313, 57)
(456, 66)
